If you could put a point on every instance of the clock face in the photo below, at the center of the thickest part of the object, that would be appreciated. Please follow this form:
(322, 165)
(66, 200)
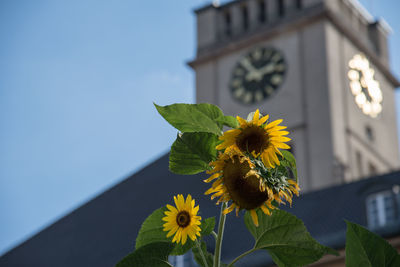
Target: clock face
(257, 75)
(366, 90)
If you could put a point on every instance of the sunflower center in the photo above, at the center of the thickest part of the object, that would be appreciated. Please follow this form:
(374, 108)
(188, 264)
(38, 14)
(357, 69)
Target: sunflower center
(245, 192)
(183, 219)
(252, 138)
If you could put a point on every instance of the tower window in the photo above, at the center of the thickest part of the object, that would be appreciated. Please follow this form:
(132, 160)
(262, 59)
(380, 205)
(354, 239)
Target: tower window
(227, 17)
(371, 169)
(383, 209)
(369, 133)
(281, 8)
(359, 163)
(261, 11)
(245, 17)
(299, 4)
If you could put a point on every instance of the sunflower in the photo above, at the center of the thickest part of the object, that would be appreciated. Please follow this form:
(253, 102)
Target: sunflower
(182, 220)
(257, 137)
(240, 181)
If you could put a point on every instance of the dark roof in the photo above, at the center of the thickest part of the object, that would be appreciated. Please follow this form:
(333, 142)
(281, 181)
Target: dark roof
(103, 230)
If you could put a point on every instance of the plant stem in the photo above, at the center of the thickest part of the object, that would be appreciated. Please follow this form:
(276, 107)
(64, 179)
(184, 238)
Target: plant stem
(214, 234)
(218, 242)
(201, 253)
(241, 256)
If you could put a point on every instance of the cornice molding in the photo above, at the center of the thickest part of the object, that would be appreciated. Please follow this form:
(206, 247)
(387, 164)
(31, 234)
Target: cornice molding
(293, 23)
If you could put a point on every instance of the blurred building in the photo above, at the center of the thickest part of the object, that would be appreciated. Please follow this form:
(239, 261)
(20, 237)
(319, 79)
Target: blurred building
(321, 65)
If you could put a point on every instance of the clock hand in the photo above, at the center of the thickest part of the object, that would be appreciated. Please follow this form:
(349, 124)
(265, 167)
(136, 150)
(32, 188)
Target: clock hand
(253, 72)
(259, 73)
(246, 63)
(267, 69)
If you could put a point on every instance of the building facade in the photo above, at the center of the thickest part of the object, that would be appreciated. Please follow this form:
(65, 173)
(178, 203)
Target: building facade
(322, 66)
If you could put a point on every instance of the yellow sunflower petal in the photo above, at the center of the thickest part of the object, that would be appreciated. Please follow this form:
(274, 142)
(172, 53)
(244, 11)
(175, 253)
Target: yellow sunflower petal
(279, 127)
(254, 216)
(265, 210)
(195, 209)
(173, 231)
(272, 124)
(177, 236)
(188, 202)
(278, 133)
(256, 116)
(171, 208)
(222, 146)
(264, 119)
(212, 177)
(184, 237)
(177, 202)
(217, 182)
(274, 157)
(280, 139)
(217, 194)
(281, 145)
(265, 159)
(241, 121)
(230, 134)
(228, 210)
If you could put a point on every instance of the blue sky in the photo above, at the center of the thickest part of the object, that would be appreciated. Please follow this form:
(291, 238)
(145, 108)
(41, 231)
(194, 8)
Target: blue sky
(77, 83)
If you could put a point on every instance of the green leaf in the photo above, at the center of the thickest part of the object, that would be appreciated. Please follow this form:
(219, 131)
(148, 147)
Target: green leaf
(364, 248)
(207, 226)
(290, 162)
(286, 239)
(152, 231)
(208, 256)
(153, 254)
(192, 117)
(192, 152)
(228, 121)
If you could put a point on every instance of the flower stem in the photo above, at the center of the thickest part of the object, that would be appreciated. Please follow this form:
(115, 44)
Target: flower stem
(218, 242)
(201, 253)
(241, 256)
(214, 234)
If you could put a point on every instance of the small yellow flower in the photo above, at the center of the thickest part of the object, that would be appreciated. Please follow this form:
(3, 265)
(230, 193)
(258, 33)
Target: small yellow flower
(257, 137)
(238, 181)
(182, 220)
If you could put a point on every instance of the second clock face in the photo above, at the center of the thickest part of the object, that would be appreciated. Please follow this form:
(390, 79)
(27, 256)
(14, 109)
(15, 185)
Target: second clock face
(365, 88)
(257, 75)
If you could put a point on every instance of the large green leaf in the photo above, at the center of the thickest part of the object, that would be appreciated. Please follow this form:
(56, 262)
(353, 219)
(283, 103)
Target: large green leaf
(290, 162)
(228, 121)
(153, 254)
(364, 248)
(192, 117)
(152, 231)
(286, 239)
(192, 152)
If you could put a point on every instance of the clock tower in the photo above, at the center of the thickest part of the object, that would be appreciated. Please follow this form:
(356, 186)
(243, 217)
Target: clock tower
(322, 66)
